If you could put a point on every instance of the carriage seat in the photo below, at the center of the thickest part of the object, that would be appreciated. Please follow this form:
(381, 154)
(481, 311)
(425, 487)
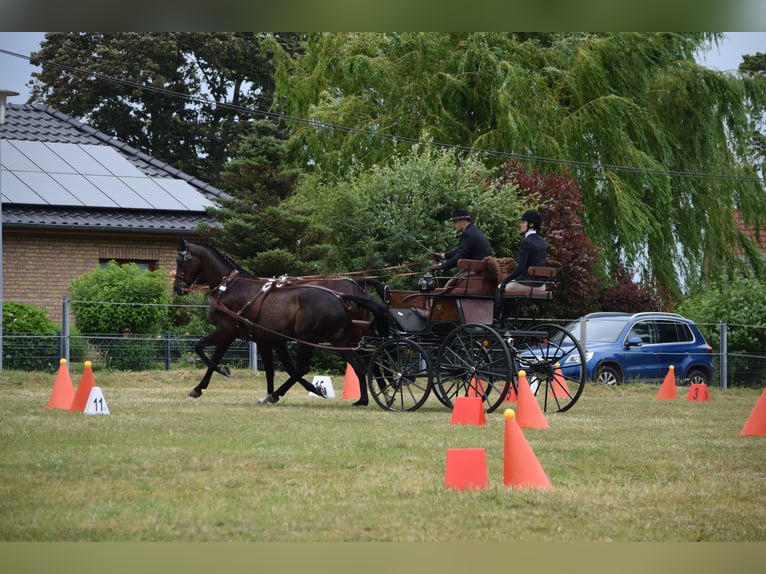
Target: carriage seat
(471, 279)
(539, 287)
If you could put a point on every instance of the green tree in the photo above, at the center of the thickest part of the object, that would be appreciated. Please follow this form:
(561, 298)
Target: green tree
(639, 124)
(397, 214)
(264, 236)
(739, 304)
(185, 98)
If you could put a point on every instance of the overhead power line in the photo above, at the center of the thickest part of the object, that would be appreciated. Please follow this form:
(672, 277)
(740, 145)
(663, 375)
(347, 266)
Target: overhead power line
(596, 166)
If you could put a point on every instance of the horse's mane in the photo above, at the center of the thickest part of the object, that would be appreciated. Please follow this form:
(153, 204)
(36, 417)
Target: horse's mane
(242, 272)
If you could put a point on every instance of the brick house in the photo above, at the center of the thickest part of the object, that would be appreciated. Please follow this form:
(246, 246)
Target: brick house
(74, 198)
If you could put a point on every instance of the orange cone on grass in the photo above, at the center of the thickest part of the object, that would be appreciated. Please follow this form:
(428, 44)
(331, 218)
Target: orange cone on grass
(62, 394)
(521, 468)
(510, 394)
(468, 411)
(756, 422)
(559, 387)
(351, 384)
(476, 388)
(529, 414)
(466, 469)
(698, 393)
(668, 388)
(87, 382)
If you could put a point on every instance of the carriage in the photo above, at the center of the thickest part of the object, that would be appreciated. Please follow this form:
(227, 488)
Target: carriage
(444, 344)
(441, 342)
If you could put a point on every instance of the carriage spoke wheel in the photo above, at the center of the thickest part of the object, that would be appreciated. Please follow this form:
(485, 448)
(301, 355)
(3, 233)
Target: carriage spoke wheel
(473, 361)
(399, 375)
(539, 353)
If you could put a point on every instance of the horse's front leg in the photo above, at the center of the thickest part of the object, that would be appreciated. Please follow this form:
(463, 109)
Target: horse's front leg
(221, 346)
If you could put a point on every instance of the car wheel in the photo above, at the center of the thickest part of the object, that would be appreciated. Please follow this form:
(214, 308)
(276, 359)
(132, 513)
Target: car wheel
(606, 375)
(698, 376)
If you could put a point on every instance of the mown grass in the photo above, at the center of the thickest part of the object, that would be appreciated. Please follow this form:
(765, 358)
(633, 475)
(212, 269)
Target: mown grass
(165, 467)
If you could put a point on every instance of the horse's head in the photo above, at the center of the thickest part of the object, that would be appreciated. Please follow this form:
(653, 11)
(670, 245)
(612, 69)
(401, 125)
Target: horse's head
(188, 268)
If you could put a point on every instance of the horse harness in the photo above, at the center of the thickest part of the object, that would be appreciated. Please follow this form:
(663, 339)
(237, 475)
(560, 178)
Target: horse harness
(256, 302)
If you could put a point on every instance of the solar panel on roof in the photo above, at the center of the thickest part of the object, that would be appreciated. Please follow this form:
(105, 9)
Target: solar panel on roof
(184, 193)
(153, 193)
(119, 192)
(16, 191)
(88, 194)
(67, 174)
(42, 156)
(76, 156)
(13, 159)
(51, 192)
(113, 161)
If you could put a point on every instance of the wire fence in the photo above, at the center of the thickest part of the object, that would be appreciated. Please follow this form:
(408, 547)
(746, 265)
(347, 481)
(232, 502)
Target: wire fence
(31, 352)
(131, 352)
(156, 352)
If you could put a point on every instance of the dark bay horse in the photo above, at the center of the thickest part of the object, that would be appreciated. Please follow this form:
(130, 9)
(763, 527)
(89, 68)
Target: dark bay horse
(272, 312)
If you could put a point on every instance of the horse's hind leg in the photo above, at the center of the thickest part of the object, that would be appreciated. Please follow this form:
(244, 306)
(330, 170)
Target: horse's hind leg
(360, 368)
(295, 372)
(267, 354)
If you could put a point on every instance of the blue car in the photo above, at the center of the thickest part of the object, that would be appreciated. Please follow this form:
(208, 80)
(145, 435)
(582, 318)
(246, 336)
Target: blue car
(641, 347)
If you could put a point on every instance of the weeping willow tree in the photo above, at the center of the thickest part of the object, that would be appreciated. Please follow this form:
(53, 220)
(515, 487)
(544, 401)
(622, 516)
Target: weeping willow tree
(657, 143)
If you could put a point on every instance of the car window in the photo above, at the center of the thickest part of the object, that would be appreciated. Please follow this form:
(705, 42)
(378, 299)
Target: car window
(643, 330)
(673, 332)
(597, 331)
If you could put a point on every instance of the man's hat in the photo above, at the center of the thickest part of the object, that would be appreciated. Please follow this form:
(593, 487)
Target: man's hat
(459, 214)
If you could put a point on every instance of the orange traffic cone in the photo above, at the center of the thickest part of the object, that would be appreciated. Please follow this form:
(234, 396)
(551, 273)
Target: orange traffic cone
(62, 394)
(468, 411)
(351, 384)
(510, 395)
(476, 388)
(87, 382)
(521, 467)
(559, 387)
(530, 415)
(668, 389)
(466, 469)
(756, 422)
(698, 392)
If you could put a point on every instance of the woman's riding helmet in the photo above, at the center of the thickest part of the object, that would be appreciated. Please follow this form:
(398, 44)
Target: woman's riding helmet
(532, 216)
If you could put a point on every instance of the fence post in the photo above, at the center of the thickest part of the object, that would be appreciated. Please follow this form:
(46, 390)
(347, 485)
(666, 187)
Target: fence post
(167, 351)
(65, 328)
(253, 356)
(724, 353)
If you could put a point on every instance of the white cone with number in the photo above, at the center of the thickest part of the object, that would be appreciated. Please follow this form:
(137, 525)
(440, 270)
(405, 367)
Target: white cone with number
(96, 404)
(323, 384)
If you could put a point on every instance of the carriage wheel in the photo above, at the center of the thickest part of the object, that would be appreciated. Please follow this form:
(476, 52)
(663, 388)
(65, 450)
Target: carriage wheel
(473, 361)
(399, 375)
(538, 353)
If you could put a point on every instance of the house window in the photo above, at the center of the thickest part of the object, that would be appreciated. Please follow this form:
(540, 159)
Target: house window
(143, 264)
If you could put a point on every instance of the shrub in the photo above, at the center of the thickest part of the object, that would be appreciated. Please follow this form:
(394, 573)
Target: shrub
(122, 299)
(32, 342)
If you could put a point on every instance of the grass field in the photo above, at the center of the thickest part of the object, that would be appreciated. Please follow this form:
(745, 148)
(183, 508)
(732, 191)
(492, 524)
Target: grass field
(164, 467)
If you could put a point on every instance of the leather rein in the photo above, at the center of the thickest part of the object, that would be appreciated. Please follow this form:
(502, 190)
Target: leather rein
(256, 302)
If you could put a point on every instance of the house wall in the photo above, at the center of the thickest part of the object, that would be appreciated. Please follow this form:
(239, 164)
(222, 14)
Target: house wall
(38, 266)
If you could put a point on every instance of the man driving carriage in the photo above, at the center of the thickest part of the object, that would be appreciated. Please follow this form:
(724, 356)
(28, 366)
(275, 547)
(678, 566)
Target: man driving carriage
(473, 244)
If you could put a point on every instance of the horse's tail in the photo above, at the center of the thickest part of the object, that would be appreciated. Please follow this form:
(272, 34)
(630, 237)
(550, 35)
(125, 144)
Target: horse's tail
(378, 310)
(380, 287)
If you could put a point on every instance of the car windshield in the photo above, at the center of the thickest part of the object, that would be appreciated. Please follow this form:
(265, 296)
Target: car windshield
(598, 330)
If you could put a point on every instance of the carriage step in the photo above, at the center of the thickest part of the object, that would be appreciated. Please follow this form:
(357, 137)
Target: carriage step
(524, 333)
